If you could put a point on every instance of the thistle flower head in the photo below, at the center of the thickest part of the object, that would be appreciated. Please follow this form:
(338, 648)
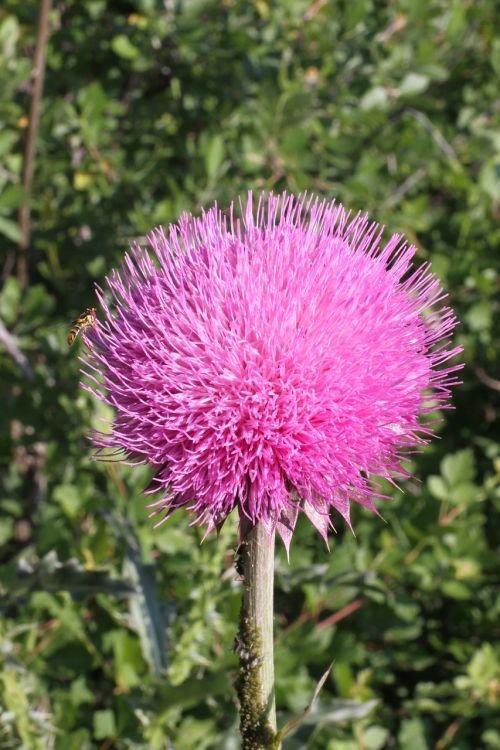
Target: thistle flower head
(276, 358)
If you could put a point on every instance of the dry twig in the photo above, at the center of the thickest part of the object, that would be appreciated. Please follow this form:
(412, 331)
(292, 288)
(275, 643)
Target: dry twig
(31, 139)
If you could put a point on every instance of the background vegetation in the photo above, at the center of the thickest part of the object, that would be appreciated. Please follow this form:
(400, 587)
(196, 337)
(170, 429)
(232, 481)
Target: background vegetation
(117, 636)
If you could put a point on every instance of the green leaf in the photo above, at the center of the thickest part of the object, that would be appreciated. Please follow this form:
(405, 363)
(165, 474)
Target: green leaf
(9, 34)
(128, 662)
(412, 735)
(80, 692)
(355, 12)
(69, 498)
(11, 197)
(459, 467)
(339, 711)
(214, 156)
(10, 229)
(375, 98)
(79, 740)
(495, 56)
(37, 303)
(123, 47)
(6, 529)
(92, 100)
(456, 590)
(413, 83)
(374, 738)
(10, 297)
(489, 179)
(15, 699)
(485, 665)
(7, 140)
(479, 317)
(438, 487)
(49, 574)
(148, 612)
(466, 492)
(149, 617)
(104, 724)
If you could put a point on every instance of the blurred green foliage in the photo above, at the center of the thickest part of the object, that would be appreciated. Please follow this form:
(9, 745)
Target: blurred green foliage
(117, 636)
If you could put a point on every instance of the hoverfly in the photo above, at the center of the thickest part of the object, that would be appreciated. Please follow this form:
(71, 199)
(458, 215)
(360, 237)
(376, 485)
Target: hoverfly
(87, 319)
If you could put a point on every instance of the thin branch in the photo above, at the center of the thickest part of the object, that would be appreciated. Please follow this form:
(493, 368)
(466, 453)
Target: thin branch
(436, 134)
(405, 187)
(487, 379)
(314, 9)
(12, 347)
(349, 609)
(38, 74)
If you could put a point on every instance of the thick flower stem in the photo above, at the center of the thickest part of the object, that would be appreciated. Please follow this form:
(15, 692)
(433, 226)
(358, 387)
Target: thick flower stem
(254, 644)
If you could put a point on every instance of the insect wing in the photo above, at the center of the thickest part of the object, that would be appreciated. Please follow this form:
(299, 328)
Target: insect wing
(87, 319)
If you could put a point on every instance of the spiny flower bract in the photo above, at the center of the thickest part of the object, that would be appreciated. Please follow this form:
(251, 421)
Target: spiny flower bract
(274, 358)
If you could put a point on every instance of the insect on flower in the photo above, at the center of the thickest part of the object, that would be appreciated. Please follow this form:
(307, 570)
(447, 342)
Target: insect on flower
(87, 319)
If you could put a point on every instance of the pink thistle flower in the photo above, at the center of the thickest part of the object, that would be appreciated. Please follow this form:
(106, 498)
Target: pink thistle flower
(275, 363)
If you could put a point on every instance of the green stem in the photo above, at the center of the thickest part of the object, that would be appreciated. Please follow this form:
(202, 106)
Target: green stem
(254, 644)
